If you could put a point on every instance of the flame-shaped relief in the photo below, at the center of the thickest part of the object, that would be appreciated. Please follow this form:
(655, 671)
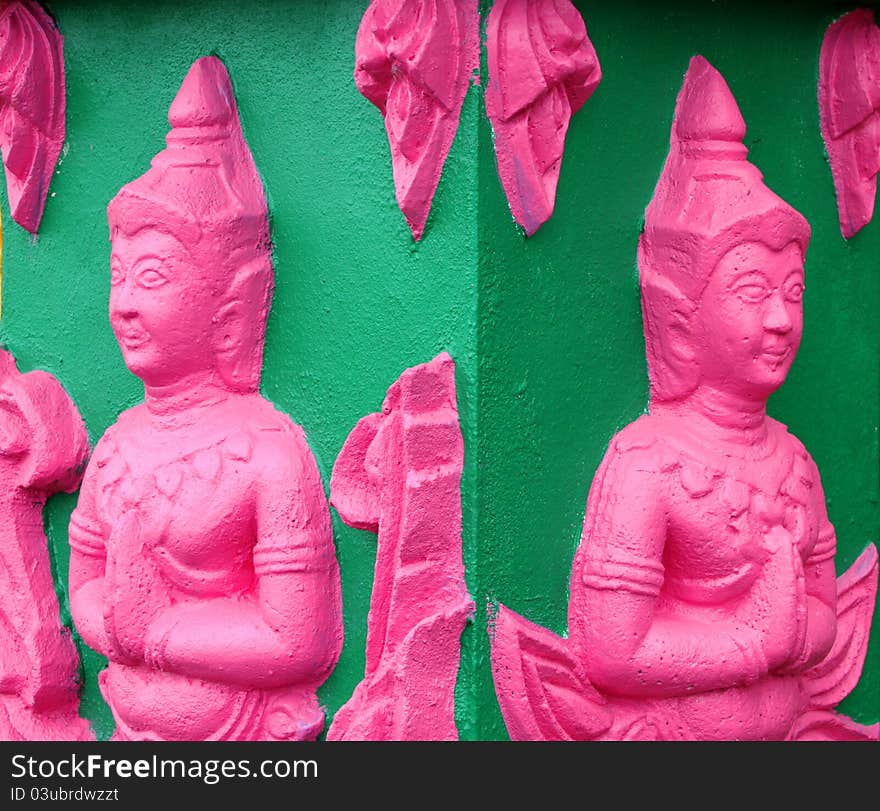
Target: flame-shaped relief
(413, 60)
(542, 68)
(398, 474)
(43, 448)
(849, 114)
(32, 104)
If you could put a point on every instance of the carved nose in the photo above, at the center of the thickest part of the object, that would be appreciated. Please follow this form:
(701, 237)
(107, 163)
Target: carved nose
(776, 318)
(122, 302)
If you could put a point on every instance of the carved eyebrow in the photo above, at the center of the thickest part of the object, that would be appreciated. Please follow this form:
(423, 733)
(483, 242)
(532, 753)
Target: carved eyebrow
(755, 274)
(150, 257)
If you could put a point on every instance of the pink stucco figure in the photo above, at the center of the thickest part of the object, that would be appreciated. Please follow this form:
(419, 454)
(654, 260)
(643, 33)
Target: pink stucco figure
(849, 114)
(704, 603)
(398, 474)
(32, 105)
(43, 449)
(542, 68)
(413, 60)
(202, 562)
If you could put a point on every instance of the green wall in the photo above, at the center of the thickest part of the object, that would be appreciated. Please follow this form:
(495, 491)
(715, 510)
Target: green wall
(546, 332)
(356, 301)
(560, 343)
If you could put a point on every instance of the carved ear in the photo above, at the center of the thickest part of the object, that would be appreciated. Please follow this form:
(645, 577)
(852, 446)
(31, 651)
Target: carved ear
(228, 327)
(669, 338)
(15, 433)
(240, 326)
(680, 335)
(7, 364)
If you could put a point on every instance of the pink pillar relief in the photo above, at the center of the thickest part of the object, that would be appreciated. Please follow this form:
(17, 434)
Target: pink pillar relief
(43, 449)
(542, 68)
(202, 561)
(398, 474)
(413, 60)
(704, 603)
(849, 114)
(32, 105)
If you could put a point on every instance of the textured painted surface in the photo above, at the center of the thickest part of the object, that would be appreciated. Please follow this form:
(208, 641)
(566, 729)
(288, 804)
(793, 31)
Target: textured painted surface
(849, 114)
(559, 377)
(32, 105)
(413, 60)
(542, 68)
(703, 593)
(202, 562)
(347, 314)
(43, 448)
(399, 475)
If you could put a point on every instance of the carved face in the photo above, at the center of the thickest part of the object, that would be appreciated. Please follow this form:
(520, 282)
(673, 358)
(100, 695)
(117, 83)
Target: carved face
(749, 321)
(161, 308)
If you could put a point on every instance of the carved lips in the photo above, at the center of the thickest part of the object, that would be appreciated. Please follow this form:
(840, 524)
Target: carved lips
(849, 114)
(32, 105)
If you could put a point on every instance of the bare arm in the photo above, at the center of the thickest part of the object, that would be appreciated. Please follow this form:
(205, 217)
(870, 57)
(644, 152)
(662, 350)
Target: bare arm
(88, 558)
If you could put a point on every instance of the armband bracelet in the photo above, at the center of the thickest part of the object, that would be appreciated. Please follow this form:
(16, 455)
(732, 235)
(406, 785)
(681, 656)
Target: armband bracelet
(85, 540)
(627, 574)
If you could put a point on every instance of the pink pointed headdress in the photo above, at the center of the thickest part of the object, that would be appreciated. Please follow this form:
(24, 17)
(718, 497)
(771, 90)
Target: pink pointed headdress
(204, 189)
(709, 198)
(205, 177)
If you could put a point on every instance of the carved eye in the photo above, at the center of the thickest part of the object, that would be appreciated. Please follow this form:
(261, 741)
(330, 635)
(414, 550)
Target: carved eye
(794, 290)
(752, 292)
(117, 274)
(151, 277)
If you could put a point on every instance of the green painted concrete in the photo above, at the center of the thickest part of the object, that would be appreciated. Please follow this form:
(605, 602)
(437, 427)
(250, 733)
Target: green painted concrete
(546, 332)
(356, 301)
(561, 347)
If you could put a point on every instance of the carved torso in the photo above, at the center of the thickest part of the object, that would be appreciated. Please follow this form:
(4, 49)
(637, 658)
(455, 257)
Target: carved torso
(173, 505)
(722, 505)
(709, 512)
(193, 488)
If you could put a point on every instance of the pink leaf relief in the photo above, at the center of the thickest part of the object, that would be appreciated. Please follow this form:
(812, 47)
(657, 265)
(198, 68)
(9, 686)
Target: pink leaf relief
(413, 60)
(541, 688)
(399, 474)
(849, 114)
(824, 725)
(832, 680)
(43, 448)
(32, 105)
(542, 68)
